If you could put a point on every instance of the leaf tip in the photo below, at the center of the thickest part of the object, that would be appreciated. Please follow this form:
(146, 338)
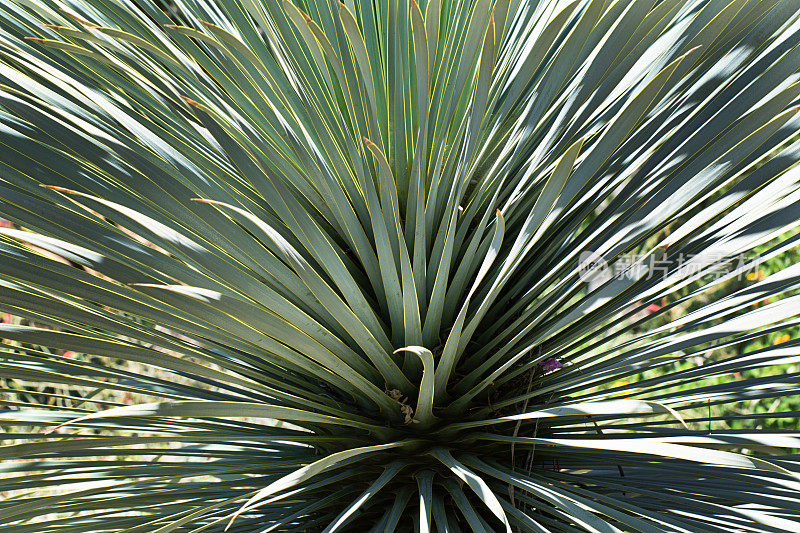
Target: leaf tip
(691, 51)
(189, 101)
(56, 187)
(205, 201)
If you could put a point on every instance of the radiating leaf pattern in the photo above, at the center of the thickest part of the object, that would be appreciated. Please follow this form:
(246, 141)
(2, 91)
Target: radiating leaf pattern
(334, 251)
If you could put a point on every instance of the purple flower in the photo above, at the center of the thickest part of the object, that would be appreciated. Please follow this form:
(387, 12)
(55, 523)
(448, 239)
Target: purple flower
(551, 365)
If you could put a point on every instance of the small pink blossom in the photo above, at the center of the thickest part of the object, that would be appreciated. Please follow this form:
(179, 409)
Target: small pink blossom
(653, 308)
(551, 365)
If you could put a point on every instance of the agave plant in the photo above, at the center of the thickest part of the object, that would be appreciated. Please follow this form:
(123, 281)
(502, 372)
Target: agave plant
(388, 266)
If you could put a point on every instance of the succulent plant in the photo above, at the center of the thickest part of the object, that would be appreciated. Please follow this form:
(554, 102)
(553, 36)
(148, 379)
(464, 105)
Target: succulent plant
(388, 266)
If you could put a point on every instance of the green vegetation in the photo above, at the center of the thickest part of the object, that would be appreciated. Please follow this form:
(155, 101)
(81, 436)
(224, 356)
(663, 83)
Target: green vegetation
(318, 266)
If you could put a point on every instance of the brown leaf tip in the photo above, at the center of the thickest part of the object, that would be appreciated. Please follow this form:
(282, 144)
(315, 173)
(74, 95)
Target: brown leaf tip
(56, 188)
(691, 51)
(189, 101)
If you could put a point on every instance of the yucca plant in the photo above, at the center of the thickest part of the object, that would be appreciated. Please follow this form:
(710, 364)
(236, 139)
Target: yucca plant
(387, 266)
